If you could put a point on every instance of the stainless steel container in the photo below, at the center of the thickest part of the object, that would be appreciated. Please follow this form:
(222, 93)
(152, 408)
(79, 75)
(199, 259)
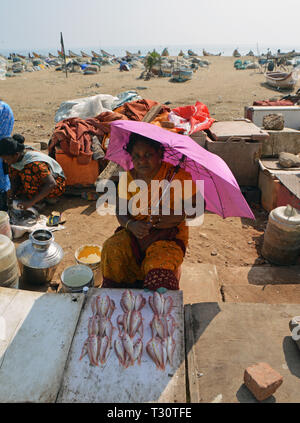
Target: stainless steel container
(75, 278)
(39, 257)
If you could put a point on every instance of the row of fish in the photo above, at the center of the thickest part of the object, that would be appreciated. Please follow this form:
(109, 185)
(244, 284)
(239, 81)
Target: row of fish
(161, 346)
(130, 324)
(129, 346)
(100, 330)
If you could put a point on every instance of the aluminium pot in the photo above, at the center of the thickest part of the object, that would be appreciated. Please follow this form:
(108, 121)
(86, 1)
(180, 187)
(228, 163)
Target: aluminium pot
(39, 257)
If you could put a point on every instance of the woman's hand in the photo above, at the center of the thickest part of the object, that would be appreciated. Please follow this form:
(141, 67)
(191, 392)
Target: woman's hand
(23, 205)
(165, 222)
(139, 229)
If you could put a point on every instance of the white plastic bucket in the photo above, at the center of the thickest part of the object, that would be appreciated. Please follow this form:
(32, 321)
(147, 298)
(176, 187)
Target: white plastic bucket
(9, 269)
(5, 228)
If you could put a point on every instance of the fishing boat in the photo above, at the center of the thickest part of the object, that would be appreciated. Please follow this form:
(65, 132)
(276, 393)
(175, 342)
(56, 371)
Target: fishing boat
(51, 56)
(191, 53)
(83, 54)
(281, 80)
(165, 52)
(236, 53)
(182, 74)
(72, 54)
(105, 54)
(96, 55)
(205, 53)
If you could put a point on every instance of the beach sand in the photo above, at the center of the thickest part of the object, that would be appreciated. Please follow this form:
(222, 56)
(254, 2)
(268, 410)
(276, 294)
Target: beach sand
(35, 98)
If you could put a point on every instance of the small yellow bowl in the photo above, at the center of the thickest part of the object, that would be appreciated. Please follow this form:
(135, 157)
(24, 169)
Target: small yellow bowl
(89, 255)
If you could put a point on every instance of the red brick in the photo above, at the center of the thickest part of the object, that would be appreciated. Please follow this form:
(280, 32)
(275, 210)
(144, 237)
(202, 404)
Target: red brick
(262, 380)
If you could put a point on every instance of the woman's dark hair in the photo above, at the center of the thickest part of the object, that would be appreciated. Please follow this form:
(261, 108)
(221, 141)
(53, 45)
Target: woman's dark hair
(134, 138)
(12, 145)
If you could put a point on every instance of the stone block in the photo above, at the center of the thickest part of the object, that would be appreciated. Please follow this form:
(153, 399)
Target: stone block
(262, 380)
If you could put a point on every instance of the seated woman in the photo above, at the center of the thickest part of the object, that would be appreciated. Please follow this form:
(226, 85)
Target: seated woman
(34, 176)
(147, 250)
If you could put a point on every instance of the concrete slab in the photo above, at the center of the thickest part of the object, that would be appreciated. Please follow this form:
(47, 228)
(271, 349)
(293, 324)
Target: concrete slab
(268, 294)
(200, 283)
(223, 339)
(259, 275)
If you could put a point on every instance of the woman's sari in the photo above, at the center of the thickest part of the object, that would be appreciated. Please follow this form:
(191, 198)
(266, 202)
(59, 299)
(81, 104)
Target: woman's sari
(156, 258)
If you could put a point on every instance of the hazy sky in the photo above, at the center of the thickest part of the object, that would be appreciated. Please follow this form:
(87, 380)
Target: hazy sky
(36, 24)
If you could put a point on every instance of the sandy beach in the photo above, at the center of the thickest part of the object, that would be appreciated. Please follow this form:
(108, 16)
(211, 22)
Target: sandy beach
(35, 98)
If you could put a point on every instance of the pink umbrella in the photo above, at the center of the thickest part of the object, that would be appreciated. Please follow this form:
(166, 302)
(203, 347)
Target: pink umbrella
(221, 191)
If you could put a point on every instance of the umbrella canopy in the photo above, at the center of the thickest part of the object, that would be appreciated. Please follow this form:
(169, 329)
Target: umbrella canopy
(221, 191)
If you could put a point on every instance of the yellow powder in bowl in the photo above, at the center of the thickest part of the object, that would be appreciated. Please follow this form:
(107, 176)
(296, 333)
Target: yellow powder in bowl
(90, 254)
(92, 258)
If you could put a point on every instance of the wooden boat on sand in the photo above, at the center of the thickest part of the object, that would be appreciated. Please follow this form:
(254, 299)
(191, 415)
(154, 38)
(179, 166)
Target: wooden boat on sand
(83, 54)
(206, 53)
(105, 54)
(96, 55)
(72, 54)
(281, 80)
(182, 75)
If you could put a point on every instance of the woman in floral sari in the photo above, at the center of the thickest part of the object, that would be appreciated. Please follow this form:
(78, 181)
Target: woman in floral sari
(146, 250)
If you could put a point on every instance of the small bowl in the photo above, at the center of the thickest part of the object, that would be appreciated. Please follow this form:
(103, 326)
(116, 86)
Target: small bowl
(83, 252)
(75, 278)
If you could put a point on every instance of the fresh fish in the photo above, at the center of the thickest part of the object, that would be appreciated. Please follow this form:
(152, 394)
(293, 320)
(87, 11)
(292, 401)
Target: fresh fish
(120, 351)
(134, 323)
(111, 309)
(102, 305)
(139, 302)
(84, 349)
(104, 349)
(128, 346)
(168, 305)
(150, 300)
(93, 325)
(138, 350)
(170, 324)
(158, 327)
(102, 323)
(164, 354)
(158, 303)
(127, 301)
(152, 349)
(94, 305)
(92, 349)
(171, 345)
(109, 331)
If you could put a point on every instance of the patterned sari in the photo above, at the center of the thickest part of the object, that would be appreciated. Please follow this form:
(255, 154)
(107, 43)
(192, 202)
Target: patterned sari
(124, 262)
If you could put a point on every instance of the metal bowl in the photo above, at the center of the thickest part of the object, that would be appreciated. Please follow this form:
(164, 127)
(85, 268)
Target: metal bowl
(75, 278)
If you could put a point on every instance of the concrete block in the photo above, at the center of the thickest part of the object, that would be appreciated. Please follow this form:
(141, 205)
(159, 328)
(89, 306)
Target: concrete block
(200, 283)
(262, 380)
(269, 190)
(287, 140)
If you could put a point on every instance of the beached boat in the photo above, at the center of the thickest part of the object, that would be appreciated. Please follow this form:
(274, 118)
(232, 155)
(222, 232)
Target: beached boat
(281, 80)
(191, 53)
(83, 54)
(105, 54)
(181, 75)
(97, 55)
(236, 53)
(51, 56)
(72, 54)
(165, 52)
(205, 53)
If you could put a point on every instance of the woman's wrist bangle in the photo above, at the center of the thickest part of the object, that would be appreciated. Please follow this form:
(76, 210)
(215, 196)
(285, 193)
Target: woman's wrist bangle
(127, 223)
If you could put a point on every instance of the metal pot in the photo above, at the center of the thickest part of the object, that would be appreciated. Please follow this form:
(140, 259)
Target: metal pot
(39, 257)
(75, 278)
